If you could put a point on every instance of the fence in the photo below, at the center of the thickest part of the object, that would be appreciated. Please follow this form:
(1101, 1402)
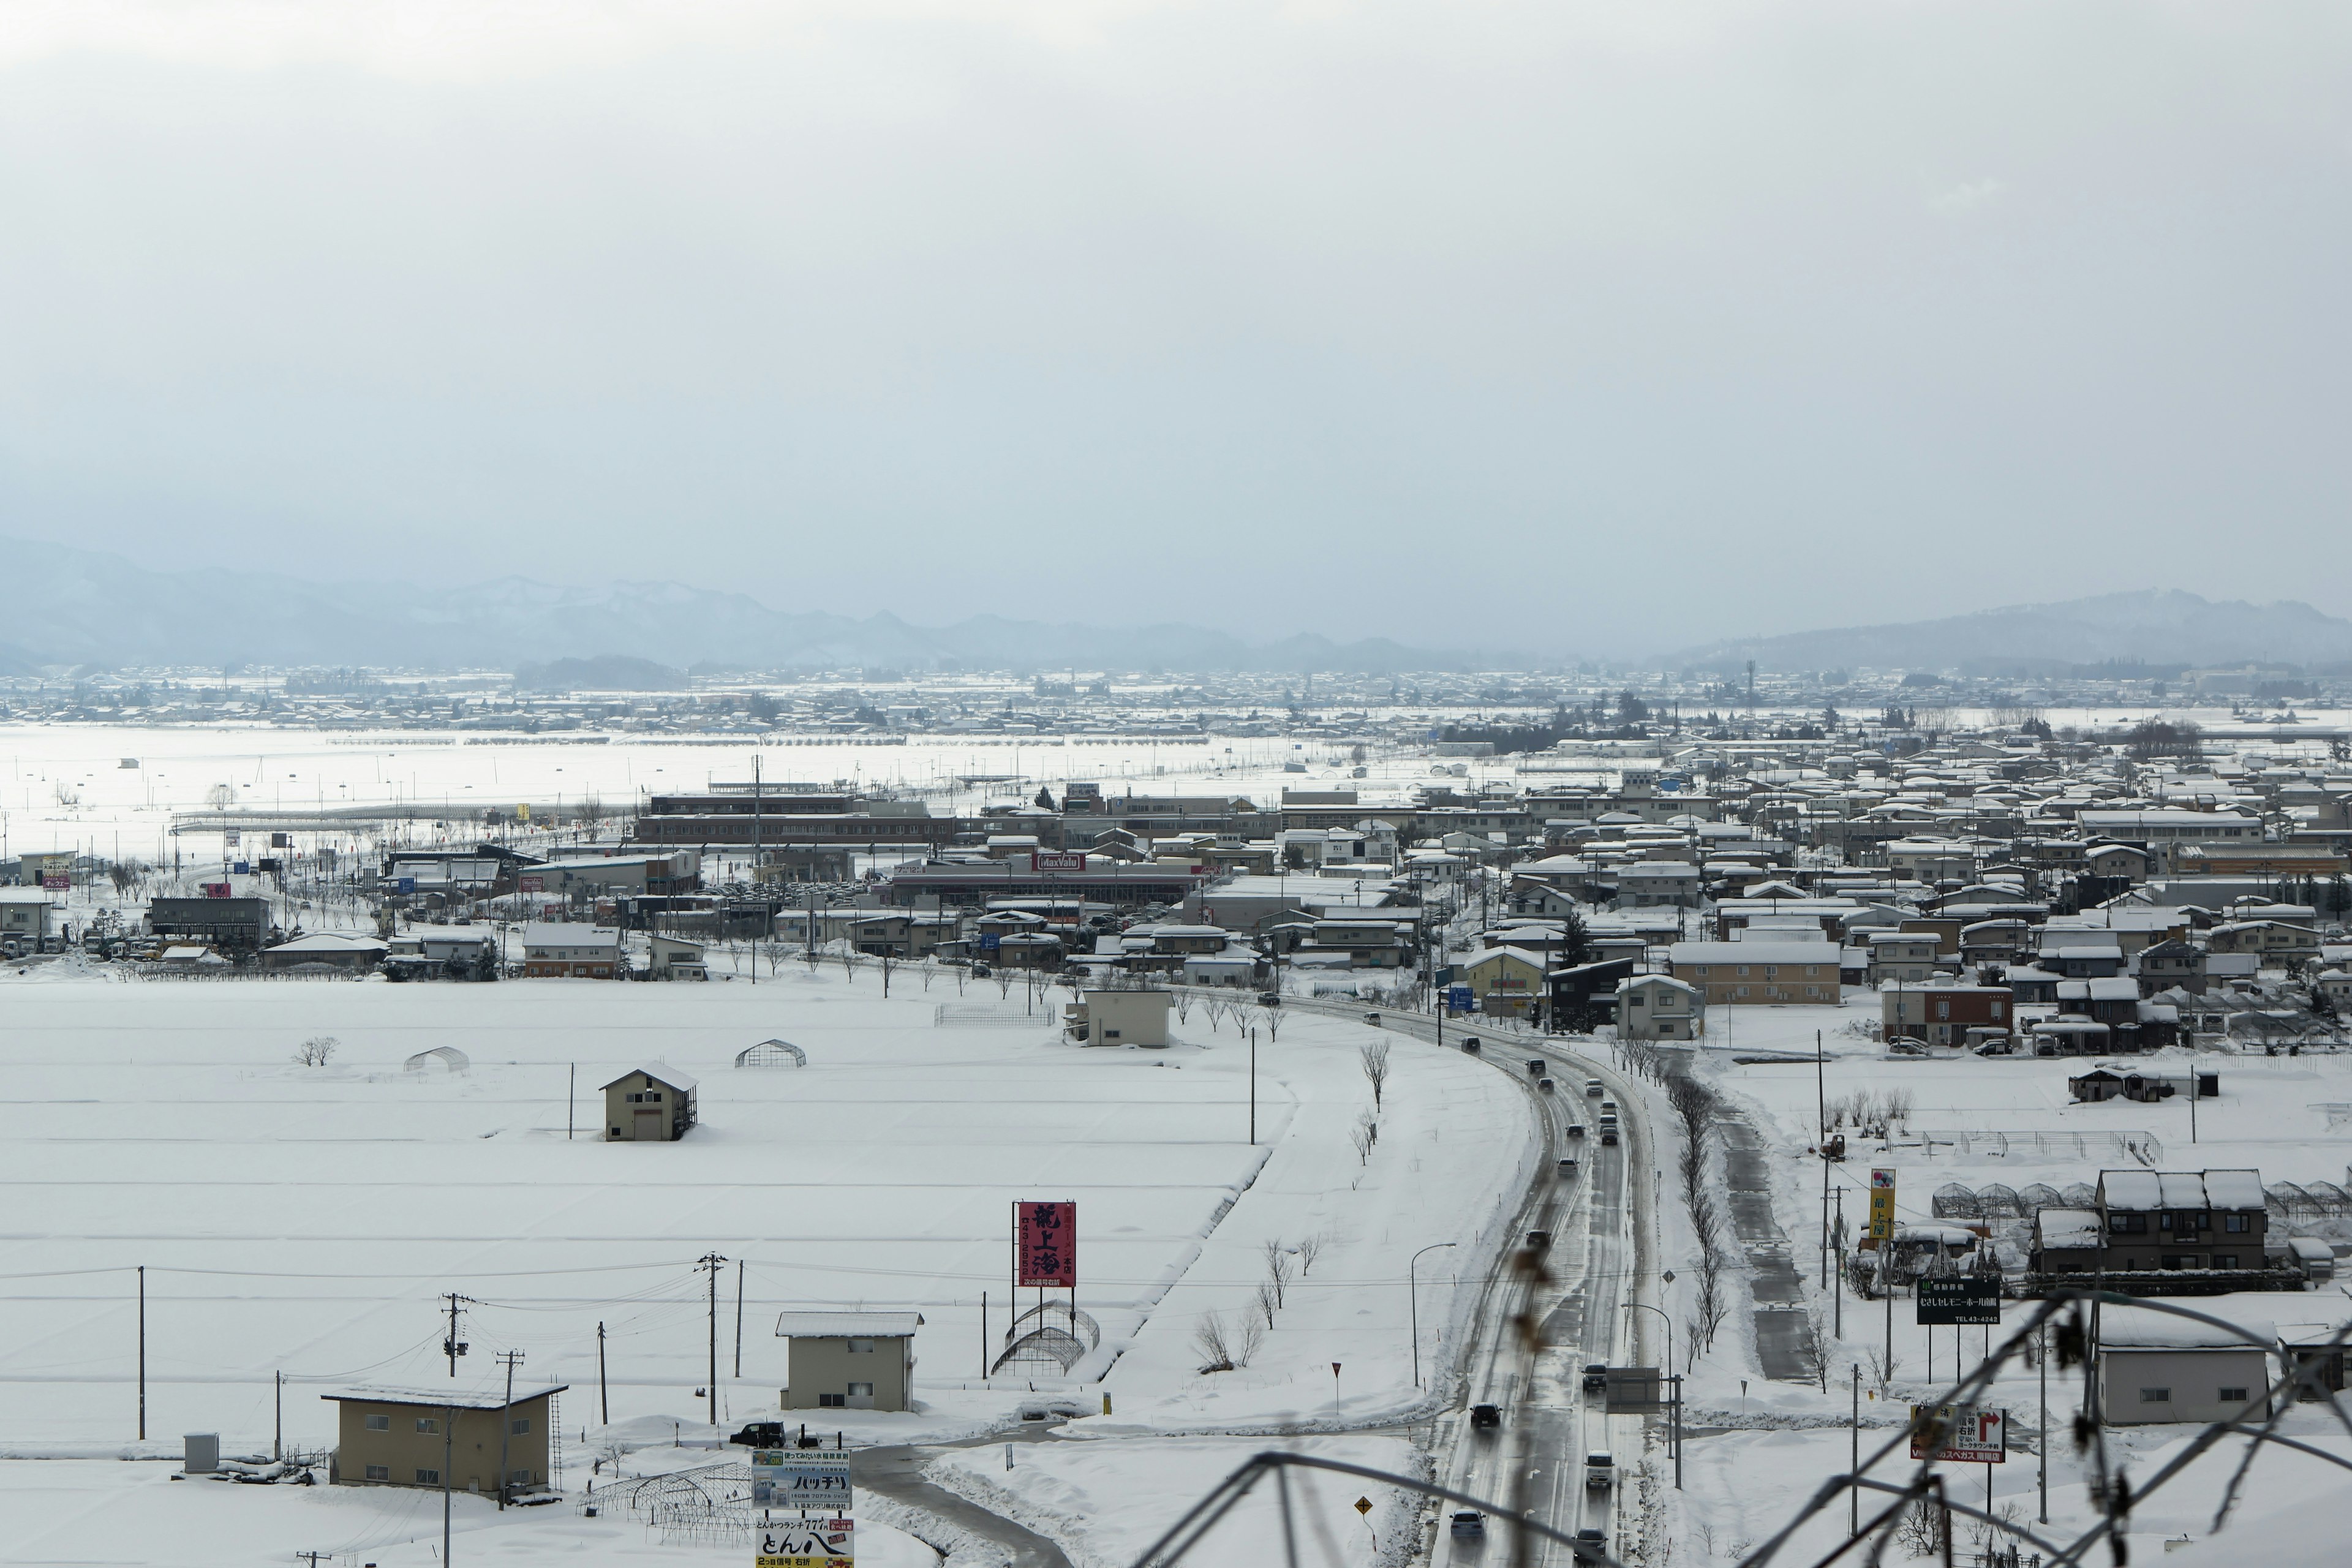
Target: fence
(1987, 1143)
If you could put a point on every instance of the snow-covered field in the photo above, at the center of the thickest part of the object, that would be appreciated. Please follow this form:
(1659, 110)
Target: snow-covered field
(312, 1219)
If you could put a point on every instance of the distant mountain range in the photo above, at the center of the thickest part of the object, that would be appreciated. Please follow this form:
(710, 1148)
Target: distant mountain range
(76, 608)
(2166, 629)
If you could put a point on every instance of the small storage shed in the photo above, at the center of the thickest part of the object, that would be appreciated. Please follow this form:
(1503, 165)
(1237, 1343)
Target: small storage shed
(1120, 1018)
(2155, 1367)
(849, 1361)
(652, 1104)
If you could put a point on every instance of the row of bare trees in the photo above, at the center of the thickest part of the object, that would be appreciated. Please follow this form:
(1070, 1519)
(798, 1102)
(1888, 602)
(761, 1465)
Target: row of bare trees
(1226, 1345)
(1695, 1107)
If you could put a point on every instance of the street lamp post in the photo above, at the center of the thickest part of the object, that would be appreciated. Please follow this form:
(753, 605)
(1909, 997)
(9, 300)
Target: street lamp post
(1412, 1290)
(1675, 1416)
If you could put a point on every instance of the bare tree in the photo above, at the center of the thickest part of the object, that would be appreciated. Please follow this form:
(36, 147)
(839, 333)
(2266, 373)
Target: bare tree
(1209, 1341)
(929, 968)
(1922, 1526)
(1880, 1367)
(1375, 1059)
(1279, 1267)
(1815, 1346)
(1267, 1302)
(1272, 1018)
(1003, 978)
(1360, 1135)
(1183, 1003)
(812, 957)
(1250, 1335)
(1310, 1247)
(849, 960)
(315, 1051)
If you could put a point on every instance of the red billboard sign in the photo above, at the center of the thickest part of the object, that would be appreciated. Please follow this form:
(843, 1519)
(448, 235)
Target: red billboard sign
(1045, 1244)
(218, 890)
(57, 883)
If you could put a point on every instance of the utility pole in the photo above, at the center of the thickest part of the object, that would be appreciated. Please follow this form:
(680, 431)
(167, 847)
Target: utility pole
(506, 1425)
(712, 1263)
(142, 1352)
(570, 1102)
(277, 1431)
(739, 1319)
(451, 1347)
(1252, 1088)
(448, 1421)
(604, 1392)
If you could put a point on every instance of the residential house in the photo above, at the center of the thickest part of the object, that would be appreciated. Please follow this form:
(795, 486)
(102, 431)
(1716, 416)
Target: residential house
(482, 1441)
(229, 924)
(28, 915)
(1901, 957)
(1508, 981)
(849, 1361)
(1654, 884)
(558, 949)
(1944, 1015)
(2273, 940)
(1660, 1007)
(1747, 974)
(2181, 1220)
(1586, 993)
(2172, 965)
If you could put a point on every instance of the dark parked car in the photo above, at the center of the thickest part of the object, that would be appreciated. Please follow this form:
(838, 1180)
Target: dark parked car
(1484, 1418)
(761, 1435)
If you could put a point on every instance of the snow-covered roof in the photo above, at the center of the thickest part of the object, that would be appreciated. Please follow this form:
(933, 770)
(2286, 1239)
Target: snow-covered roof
(2137, 1328)
(491, 1398)
(2068, 1227)
(2181, 1189)
(848, 1325)
(334, 942)
(660, 1072)
(568, 933)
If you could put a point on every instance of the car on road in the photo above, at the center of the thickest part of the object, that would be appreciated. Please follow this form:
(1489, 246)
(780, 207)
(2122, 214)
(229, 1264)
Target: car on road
(1905, 1046)
(1600, 1472)
(1471, 1045)
(1609, 1134)
(1544, 1084)
(1592, 1089)
(2004, 1045)
(1537, 1066)
(1575, 1129)
(1469, 1521)
(1596, 1376)
(1538, 1240)
(1269, 998)
(1592, 1545)
(1373, 1019)
(1567, 1166)
(1608, 1111)
(1484, 1418)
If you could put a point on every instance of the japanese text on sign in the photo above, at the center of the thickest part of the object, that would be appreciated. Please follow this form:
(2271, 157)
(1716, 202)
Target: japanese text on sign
(1965, 1433)
(1881, 1205)
(788, 1478)
(806, 1543)
(1046, 1244)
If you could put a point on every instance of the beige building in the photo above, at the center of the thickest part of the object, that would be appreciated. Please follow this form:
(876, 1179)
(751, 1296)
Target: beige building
(1120, 1018)
(433, 1437)
(654, 1104)
(1743, 974)
(849, 1361)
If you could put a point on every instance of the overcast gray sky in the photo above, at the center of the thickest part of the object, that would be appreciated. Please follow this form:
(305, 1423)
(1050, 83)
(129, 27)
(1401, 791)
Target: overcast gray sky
(1607, 326)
